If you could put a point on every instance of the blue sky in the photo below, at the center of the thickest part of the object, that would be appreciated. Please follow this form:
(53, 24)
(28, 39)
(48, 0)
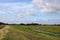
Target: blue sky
(7, 1)
(28, 11)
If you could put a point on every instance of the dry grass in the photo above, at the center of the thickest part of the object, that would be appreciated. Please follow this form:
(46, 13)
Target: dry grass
(21, 32)
(3, 32)
(55, 29)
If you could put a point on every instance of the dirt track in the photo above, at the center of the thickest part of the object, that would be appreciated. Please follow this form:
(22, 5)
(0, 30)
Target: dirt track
(4, 31)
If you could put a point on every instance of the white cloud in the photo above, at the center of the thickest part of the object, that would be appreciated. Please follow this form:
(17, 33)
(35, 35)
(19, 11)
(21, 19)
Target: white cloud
(21, 12)
(18, 10)
(48, 6)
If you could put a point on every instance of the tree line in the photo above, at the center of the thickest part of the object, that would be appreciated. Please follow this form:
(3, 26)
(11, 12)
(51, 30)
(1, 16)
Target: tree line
(2, 23)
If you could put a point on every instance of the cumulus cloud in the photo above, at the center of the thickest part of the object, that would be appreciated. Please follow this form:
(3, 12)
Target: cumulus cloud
(16, 11)
(48, 6)
(23, 12)
(17, 8)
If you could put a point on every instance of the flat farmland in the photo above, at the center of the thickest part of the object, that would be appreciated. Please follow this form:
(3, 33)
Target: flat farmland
(33, 32)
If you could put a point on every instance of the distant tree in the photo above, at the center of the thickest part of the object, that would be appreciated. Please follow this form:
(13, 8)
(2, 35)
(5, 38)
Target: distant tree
(58, 24)
(1, 23)
(22, 24)
(40, 24)
(33, 24)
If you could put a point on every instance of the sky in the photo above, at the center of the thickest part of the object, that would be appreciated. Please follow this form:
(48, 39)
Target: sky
(30, 11)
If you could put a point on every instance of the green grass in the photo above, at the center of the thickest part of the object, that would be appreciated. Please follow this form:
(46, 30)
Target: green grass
(55, 29)
(24, 32)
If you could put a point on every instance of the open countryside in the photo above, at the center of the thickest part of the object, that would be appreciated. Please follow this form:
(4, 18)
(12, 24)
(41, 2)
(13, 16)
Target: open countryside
(29, 19)
(31, 32)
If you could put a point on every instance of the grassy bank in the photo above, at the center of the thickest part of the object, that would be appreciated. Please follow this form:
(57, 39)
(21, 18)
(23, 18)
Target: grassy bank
(24, 32)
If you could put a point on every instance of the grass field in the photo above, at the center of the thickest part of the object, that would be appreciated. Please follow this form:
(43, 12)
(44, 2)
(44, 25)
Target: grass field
(28, 32)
